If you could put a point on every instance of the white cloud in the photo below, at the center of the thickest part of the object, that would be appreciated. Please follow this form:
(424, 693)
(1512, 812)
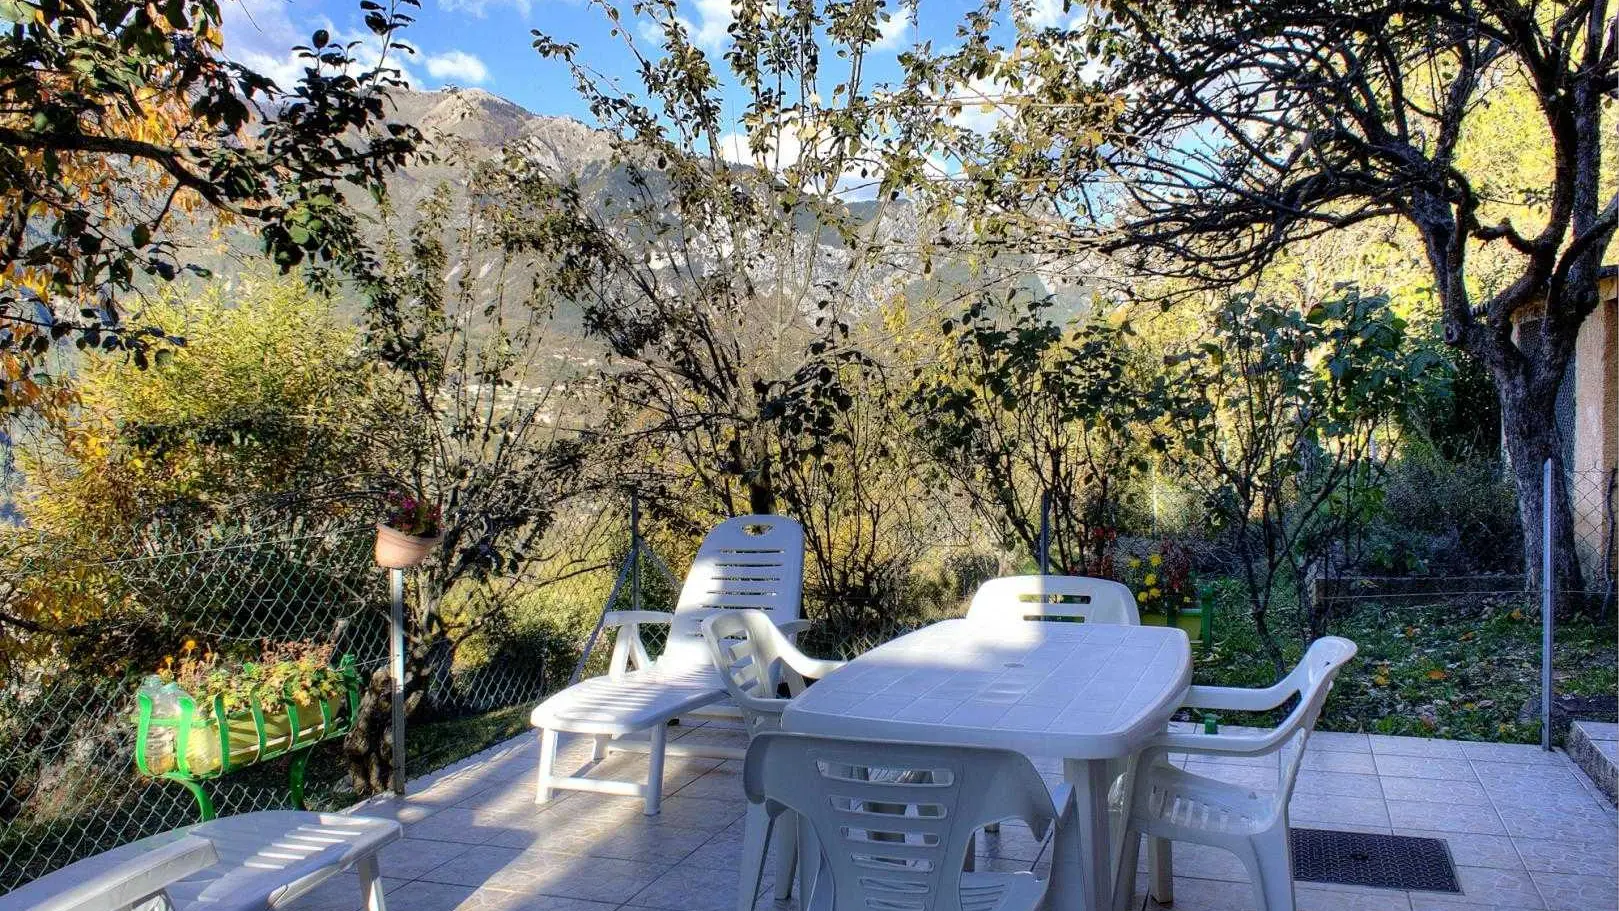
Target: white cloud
(260, 35)
(713, 23)
(457, 66)
(981, 105)
(480, 8)
(894, 30)
(1049, 14)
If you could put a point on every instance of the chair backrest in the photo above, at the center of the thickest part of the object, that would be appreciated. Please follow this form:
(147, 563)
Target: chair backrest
(1312, 678)
(1082, 598)
(894, 820)
(748, 650)
(747, 562)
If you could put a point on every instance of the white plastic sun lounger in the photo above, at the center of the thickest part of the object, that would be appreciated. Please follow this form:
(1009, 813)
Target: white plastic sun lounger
(250, 862)
(748, 562)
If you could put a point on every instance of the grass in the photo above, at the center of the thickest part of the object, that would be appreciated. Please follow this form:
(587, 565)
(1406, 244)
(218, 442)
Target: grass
(1461, 670)
(436, 745)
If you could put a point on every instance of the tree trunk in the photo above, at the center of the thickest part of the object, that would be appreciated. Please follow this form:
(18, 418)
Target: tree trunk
(368, 750)
(1530, 428)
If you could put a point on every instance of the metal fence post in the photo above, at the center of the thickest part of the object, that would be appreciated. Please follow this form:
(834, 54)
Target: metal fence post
(396, 670)
(1045, 533)
(1547, 607)
(635, 551)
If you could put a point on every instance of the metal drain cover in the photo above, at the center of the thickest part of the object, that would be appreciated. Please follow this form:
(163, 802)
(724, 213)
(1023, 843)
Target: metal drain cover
(1362, 859)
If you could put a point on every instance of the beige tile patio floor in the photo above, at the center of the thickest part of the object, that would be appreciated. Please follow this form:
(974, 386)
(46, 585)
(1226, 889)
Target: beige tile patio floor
(1525, 828)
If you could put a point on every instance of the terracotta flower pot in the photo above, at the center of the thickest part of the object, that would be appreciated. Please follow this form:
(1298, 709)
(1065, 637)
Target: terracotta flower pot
(397, 550)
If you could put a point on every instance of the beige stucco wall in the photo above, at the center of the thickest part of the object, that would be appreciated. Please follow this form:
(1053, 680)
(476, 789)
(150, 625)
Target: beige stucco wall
(1596, 423)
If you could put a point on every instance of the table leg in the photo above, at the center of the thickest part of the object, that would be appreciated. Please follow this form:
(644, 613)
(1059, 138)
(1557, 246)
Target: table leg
(1088, 855)
(1160, 871)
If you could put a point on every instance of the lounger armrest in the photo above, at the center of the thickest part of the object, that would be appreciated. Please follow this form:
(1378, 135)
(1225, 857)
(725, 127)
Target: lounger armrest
(629, 652)
(634, 618)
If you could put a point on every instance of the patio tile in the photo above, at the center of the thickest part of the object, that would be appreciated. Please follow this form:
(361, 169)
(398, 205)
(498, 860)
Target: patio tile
(1498, 888)
(1333, 810)
(1203, 895)
(474, 866)
(1326, 761)
(1463, 792)
(1203, 862)
(691, 889)
(1471, 849)
(1591, 857)
(1557, 822)
(493, 850)
(502, 900)
(1316, 897)
(1573, 892)
(1339, 742)
(594, 878)
(421, 896)
(626, 841)
(698, 813)
(457, 824)
(1341, 784)
(1551, 788)
(1400, 765)
(1518, 753)
(723, 782)
(1385, 745)
(1445, 817)
(409, 858)
(1445, 901)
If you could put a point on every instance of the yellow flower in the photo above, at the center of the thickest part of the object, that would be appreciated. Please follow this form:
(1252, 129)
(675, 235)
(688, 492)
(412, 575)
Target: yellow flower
(1152, 579)
(1135, 563)
(1155, 559)
(1153, 592)
(190, 645)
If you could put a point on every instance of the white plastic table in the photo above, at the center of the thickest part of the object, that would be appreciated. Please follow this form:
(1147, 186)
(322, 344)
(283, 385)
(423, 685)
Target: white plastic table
(1089, 693)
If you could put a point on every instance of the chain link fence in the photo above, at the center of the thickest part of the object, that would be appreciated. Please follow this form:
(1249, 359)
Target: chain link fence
(85, 620)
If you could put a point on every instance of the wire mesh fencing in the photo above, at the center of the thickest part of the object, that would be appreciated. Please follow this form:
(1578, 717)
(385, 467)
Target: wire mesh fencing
(85, 620)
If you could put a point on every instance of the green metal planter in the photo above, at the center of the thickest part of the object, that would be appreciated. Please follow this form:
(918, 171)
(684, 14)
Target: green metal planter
(192, 747)
(1197, 622)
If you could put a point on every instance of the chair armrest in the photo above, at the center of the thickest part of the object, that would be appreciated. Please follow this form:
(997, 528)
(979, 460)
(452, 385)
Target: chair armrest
(1238, 699)
(614, 618)
(1218, 744)
(811, 668)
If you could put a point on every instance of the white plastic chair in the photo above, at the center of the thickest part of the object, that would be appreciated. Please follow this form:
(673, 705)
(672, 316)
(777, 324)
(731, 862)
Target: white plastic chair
(749, 562)
(892, 823)
(1012, 599)
(756, 659)
(1178, 805)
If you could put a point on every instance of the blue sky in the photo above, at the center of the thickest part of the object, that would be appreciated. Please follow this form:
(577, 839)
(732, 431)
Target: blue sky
(486, 43)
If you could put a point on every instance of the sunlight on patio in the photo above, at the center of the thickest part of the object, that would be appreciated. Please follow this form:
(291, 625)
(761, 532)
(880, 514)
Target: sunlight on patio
(1526, 831)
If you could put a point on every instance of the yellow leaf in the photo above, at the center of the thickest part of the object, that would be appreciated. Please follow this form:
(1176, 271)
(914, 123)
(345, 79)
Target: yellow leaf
(1436, 674)
(1380, 680)
(1516, 615)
